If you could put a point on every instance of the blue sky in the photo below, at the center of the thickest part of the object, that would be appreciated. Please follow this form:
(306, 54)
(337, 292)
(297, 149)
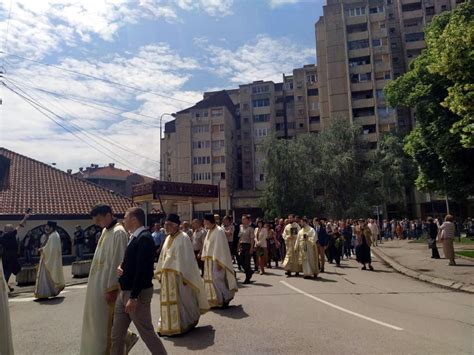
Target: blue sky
(176, 49)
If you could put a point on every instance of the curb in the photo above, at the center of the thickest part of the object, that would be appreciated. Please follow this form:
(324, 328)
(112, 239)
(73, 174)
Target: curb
(451, 284)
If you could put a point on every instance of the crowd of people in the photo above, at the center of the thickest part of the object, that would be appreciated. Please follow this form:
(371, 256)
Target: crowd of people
(194, 264)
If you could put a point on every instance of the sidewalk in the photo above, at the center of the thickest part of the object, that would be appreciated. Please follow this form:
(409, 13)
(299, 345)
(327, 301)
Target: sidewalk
(414, 260)
(30, 289)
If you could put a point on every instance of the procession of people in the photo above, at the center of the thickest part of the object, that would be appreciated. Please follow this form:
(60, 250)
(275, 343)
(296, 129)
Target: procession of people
(194, 268)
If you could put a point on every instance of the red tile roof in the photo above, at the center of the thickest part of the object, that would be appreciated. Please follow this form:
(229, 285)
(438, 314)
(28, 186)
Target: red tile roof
(50, 191)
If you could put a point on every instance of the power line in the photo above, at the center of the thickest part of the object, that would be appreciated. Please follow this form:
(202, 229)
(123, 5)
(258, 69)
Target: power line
(92, 104)
(79, 128)
(98, 78)
(40, 109)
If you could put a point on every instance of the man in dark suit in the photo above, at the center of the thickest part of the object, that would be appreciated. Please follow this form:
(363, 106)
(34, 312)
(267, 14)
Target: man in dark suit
(136, 287)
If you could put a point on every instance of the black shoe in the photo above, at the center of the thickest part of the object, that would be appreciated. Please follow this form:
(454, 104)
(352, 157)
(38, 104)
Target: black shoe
(246, 282)
(226, 304)
(297, 274)
(371, 268)
(322, 270)
(363, 268)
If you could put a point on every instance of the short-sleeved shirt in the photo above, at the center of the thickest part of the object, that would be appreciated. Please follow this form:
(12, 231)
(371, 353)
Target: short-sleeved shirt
(230, 236)
(246, 234)
(198, 238)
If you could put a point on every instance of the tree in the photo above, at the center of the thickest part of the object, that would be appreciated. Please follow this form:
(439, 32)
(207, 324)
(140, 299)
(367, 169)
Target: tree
(450, 39)
(443, 164)
(332, 173)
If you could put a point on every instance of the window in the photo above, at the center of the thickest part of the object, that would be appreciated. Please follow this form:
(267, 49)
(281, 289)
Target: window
(311, 78)
(299, 98)
(200, 128)
(385, 111)
(313, 92)
(262, 177)
(379, 93)
(221, 128)
(280, 113)
(200, 144)
(216, 145)
(262, 132)
(359, 78)
(376, 9)
(222, 176)
(393, 44)
(291, 125)
(363, 43)
(216, 112)
(314, 119)
(383, 75)
(362, 27)
(261, 103)
(245, 107)
(246, 120)
(353, 62)
(260, 89)
(376, 42)
(289, 85)
(315, 106)
(411, 7)
(413, 37)
(279, 100)
(261, 118)
(356, 11)
(430, 10)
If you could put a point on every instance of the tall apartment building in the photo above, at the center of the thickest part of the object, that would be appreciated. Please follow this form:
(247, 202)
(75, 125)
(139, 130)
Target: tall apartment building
(363, 44)
(360, 46)
(199, 146)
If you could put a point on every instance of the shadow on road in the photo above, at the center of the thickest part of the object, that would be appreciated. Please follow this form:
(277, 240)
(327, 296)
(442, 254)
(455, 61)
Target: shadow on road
(234, 312)
(202, 338)
(50, 301)
(320, 279)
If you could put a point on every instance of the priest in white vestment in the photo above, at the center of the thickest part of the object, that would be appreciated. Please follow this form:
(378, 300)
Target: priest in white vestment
(6, 344)
(219, 274)
(182, 295)
(103, 285)
(50, 276)
(290, 233)
(307, 250)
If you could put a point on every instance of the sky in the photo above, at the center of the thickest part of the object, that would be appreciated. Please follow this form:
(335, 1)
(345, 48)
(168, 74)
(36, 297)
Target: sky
(103, 72)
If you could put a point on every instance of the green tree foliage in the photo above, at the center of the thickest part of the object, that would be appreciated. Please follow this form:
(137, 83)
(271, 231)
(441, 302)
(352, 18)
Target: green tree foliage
(443, 164)
(450, 39)
(332, 173)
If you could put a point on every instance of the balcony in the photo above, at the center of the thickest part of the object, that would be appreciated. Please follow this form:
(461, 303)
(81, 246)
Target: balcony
(415, 45)
(362, 86)
(379, 33)
(370, 137)
(361, 52)
(382, 67)
(412, 14)
(377, 17)
(356, 20)
(360, 69)
(362, 103)
(315, 127)
(365, 120)
(380, 49)
(357, 36)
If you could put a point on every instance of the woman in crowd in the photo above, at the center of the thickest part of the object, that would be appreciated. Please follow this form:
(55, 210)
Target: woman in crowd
(261, 235)
(272, 246)
(446, 235)
(364, 241)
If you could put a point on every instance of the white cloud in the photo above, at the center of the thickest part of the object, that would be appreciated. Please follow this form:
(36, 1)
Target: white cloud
(277, 3)
(156, 68)
(264, 58)
(211, 7)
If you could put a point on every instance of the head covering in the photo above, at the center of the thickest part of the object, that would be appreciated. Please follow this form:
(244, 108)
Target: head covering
(52, 224)
(174, 218)
(101, 209)
(210, 218)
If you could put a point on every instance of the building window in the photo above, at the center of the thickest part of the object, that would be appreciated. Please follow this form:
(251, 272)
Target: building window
(356, 11)
(353, 62)
(376, 9)
(261, 102)
(411, 7)
(430, 10)
(311, 78)
(261, 118)
(363, 43)
(414, 37)
(200, 128)
(379, 93)
(221, 127)
(315, 106)
(262, 132)
(313, 92)
(360, 78)
(245, 107)
(299, 98)
(222, 176)
(216, 112)
(262, 177)
(376, 42)
(291, 125)
(314, 119)
(289, 85)
(260, 89)
(362, 27)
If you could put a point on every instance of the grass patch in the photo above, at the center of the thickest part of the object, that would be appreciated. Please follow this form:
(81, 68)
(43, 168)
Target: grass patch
(467, 253)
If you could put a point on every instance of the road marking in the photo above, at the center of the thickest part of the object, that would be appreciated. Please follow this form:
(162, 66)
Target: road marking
(340, 308)
(28, 299)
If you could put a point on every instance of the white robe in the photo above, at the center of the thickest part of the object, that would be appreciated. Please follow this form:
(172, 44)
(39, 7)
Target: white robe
(307, 251)
(6, 343)
(182, 296)
(50, 277)
(98, 315)
(290, 235)
(219, 274)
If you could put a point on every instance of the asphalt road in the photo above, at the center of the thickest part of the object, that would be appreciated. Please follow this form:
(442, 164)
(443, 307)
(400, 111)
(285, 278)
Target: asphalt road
(346, 311)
